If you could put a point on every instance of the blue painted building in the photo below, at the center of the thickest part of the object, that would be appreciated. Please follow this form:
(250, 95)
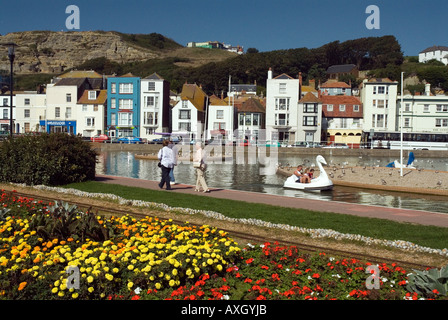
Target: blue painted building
(123, 106)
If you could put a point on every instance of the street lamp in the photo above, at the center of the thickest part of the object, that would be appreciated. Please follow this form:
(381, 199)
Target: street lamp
(11, 54)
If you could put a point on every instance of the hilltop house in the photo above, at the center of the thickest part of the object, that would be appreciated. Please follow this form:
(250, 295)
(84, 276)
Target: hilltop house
(335, 71)
(439, 53)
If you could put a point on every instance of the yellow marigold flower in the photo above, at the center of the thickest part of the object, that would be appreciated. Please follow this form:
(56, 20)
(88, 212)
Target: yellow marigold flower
(172, 283)
(130, 267)
(130, 284)
(174, 272)
(115, 270)
(109, 277)
(89, 279)
(75, 295)
(54, 290)
(219, 267)
(158, 286)
(210, 261)
(90, 289)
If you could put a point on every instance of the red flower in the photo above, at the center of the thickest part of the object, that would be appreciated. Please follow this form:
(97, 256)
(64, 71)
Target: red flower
(248, 261)
(265, 267)
(316, 276)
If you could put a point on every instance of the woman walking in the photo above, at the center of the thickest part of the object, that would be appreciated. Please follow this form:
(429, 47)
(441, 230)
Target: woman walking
(199, 165)
(165, 156)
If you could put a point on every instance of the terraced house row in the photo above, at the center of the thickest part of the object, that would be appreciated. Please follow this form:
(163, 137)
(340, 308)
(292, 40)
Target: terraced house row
(88, 104)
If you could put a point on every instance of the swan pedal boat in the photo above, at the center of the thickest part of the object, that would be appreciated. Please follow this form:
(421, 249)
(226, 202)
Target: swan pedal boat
(321, 183)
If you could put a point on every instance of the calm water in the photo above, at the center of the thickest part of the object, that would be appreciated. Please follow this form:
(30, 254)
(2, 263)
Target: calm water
(246, 177)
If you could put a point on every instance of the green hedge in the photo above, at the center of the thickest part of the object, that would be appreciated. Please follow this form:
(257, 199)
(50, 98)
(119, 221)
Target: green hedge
(49, 159)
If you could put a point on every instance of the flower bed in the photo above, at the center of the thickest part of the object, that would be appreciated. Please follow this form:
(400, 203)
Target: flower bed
(153, 258)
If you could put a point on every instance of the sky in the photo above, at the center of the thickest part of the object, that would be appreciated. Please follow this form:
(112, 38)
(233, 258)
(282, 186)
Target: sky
(262, 24)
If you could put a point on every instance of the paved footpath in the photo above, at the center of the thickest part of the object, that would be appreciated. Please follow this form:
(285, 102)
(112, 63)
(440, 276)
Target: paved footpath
(395, 214)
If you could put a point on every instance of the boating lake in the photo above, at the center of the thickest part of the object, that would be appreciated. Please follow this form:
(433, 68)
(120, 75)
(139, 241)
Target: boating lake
(247, 177)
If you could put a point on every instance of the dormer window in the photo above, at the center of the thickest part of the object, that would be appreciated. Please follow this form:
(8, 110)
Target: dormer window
(92, 95)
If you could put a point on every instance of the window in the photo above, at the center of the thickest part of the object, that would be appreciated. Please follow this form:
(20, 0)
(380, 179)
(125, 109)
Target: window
(68, 113)
(84, 108)
(256, 119)
(126, 88)
(282, 104)
(309, 121)
(282, 88)
(355, 108)
(26, 113)
(406, 122)
(185, 104)
(5, 101)
(113, 87)
(184, 126)
(124, 119)
(310, 108)
(90, 122)
(219, 126)
(57, 112)
(441, 123)
(219, 114)
(281, 119)
(27, 101)
(92, 95)
(426, 108)
(374, 89)
(95, 107)
(381, 90)
(113, 103)
(442, 108)
(184, 114)
(309, 136)
(248, 119)
(125, 103)
(342, 107)
(27, 127)
(5, 114)
(329, 107)
(151, 86)
(113, 119)
(150, 118)
(407, 107)
(68, 97)
(151, 101)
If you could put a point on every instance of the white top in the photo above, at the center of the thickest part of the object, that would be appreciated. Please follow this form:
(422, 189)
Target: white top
(166, 157)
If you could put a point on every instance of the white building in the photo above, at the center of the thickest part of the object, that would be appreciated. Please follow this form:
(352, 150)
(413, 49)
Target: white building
(30, 109)
(220, 119)
(439, 53)
(90, 113)
(379, 99)
(282, 103)
(425, 113)
(155, 106)
(188, 115)
(5, 110)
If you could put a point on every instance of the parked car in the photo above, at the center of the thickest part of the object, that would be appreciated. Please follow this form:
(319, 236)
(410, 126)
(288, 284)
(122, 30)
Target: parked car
(130, 139)
(273, 144)
(100, 138)
(337, 145)
(301, 144)
(157, 140)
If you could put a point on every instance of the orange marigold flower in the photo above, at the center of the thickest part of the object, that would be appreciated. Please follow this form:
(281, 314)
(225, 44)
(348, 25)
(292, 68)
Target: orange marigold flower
(22, 285)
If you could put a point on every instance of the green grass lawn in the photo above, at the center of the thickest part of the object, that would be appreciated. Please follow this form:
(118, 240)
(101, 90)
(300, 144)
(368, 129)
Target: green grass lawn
(428, 236)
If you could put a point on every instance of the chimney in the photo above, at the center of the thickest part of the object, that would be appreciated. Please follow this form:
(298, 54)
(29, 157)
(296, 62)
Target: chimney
(300, 85)
(427, 89)
(270, 73)
(312, 83)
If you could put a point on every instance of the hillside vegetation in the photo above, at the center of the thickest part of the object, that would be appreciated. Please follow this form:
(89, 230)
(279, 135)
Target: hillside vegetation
(381, 56)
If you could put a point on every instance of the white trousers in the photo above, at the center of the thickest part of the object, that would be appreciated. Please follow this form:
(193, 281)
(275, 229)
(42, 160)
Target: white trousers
(200, 180)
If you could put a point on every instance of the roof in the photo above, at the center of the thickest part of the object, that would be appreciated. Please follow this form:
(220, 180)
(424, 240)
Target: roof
(93, 83)
(309, 97)
(435, 48)
(252, 105)
(81, 74)
(215, 101)
(341, 68)
(127, 75)
(341, 100)
(154, 76)
(243, 87)
(195, 95)
(283, 76)
(381, 80)
(101, 97)
(335, 84)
